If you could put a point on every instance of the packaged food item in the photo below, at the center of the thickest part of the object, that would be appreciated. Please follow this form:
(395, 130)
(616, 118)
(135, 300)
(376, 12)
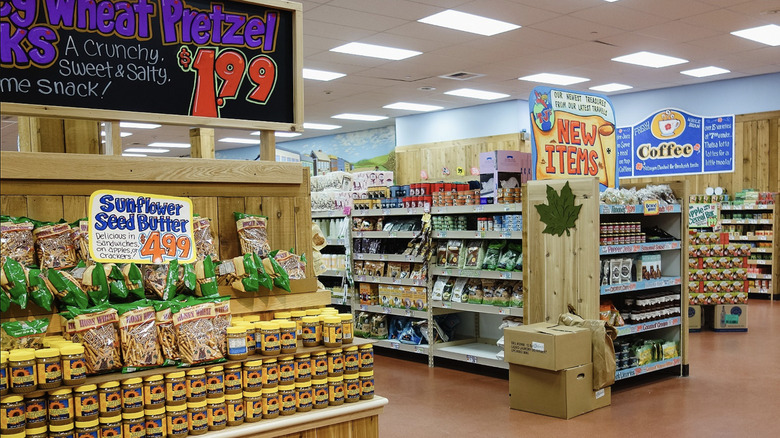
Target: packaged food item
(104, 281)
(441, 253)
(204, 240)
(252, 234)
(193, 323)
(488, 291)
(49, 368)
(293, 264)
(458, 288)
(96, 329)
(134, 279)
(14, 278)
(473, 291)
(508, 259)
(54, 246)
(221, 321)
(437, 292)
(16, 240)
(138, 335)
(166, 334)
(516, 299)
(23, 376)
(277, 273)
(80, 232)
(453, 253)
(24, 334)
(474, 255)
(162, 279)
(493, 254)
(38, 291)
(66, 288)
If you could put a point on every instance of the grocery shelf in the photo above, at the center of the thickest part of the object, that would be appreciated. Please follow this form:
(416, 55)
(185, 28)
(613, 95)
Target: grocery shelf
(327, 214)
(396, 345)
(388, 257)
(761, 250)
(385, 234)
(753, 276)
(488, 208)
(648, 326)
(759, 262)
(636, 209)
(640, 285)
(476, 273)
(746, 221)
(740, 238)
(388, 212)
(336, 242)
(390, 280)
(339, 301)
(639, 247)
(473, 234)
(727, 207)
(754, 290)
(393, 311)
(471, 352)
(649, 368)
(478, 308)
(333, 273)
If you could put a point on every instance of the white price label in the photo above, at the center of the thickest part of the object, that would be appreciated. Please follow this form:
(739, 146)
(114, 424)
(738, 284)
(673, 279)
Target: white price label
(364, 307)
(394, 234)
(386, 310)
(504, 275)
(503, 311)
(537, 346)
(396, 345)
(446, 305)
(422, 350)
(359, 256)
(471, 359)
(479, 209)
(408, 312)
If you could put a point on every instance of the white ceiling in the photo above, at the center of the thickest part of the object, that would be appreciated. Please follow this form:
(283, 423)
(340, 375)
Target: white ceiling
(572, 37)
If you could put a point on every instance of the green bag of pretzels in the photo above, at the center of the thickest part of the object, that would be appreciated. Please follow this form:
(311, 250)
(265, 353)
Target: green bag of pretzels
(66, 288)
(206, 278)
(39, 292)
(13, 280)
(279, 275)
(264, 279)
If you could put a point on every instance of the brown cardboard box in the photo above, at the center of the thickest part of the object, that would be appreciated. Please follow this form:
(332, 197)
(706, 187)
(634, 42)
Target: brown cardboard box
(548, 346)
(694, 317)
(731, 317)
(563, 394)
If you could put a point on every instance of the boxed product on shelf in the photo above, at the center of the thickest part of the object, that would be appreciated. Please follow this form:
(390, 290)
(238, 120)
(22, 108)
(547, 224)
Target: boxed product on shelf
(503, 169)
(694, 317)
(731, 317)
(373, 178)
(369, 294)
(648, 266)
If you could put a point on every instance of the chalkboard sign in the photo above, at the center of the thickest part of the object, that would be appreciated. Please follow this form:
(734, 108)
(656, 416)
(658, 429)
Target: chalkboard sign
(225, 63)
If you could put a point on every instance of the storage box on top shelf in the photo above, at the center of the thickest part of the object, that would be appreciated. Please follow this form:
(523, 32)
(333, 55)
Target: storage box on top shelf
(374, 178)
(548, 346)
(731, 317)
(503, 169)
(694, 317)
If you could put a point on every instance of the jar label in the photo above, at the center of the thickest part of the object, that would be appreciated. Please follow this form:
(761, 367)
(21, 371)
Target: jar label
(289, 339)
(74, 369)
(110, 401)
(288, 402)
(110, 431)
(3, 379)
(351, 362)
(335, 392)
(303, 400)
(49, 373)
(12, 418)
(215, 384)
(235, 411)
(175, 392)
(287, 373)
(346, 332)
(335, 364)
(154, 394)
(320, 396)
(367, 360)
(155, 428)
(366, 386)
(250, 341)
(132, 398)
(35, 411)
(253, 378)
(237, 346)
(270, 374)
(254, 409)
(196, 387)
(302, 368)
(331, 334)
(177, 424)
(232, 380)
(353, 390)
(321, 367)
(86, 405)
(270, 342)
(310, 333)
(22, 377)
(60, 409)
(87, 434)
(135, 429)
(270, 405)
(198, 421)
(217, 416)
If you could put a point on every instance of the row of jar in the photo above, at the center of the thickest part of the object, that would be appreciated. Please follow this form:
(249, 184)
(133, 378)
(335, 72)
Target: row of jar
(38, 416)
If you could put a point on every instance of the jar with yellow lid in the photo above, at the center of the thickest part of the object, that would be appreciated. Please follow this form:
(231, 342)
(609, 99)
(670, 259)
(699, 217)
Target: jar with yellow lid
(270, 373)
(133, 425)
(253, 406)
(335, 391)
(88, 429)
(175, 388)
(286, 370)
(269, 338)
(331, 331)
(319, 361)
(303, 396)
(196, 385)
(176, 421)
(61, 406)
(74, 366)
(154, 391)
(36, 409)
(287, 399)
(351, 359)
(155, 422)
(216, 412)
(3, 373)
(347, 328)
(215, 381)
(335, 363)
(197, 418)
(310, 331)
(270, 403)
(328, 311)
(235, 409)
(233, 379)
(237, 348)
(303, 367)
(251, 339)
(288, 337)
(251, 318)
(319, 388)
(132, 395)
(85, 403)
(366, 385)
(22, 373)
(351, 387)
(297, 316)
(282, 315)
(61, 430)
(253, 375)
(12, 414)
(36, 432)
(111, 426)
(109, 398)
(366, 357)
(49, 368)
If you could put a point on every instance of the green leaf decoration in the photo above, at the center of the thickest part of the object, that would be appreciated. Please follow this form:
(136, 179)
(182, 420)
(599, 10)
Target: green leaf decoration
(560, 213)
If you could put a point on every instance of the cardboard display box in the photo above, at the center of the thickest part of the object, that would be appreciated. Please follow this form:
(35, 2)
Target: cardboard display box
(694, 317)
(563, 394)
(731, 317)
(548, 346)
(503, 169)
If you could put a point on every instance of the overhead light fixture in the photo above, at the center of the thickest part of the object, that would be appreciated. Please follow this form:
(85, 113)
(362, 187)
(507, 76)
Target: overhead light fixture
(125, 134)
(102, 133)
(610, 1)
(608, 88)
(321, 75)
(239, 140)
(134, 125)
(412, 106)
(649, 59)
(360, 117)
(769, 34)
(124, 154)
(705, 71)
(162, 144)
(146, 150)
(374, 51)
(476, 94)
(555, 79)
(320, 126)
(457, 20)
(287, 134)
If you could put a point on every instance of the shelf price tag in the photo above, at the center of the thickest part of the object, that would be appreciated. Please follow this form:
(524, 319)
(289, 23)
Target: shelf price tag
(471, 359)
(503, 311)
(479, 209)
(418, 349)
(387, 310)
(394, 234)
(359, 256)
(504, 275)
(364, 307)
(408, 312)
(396, 345)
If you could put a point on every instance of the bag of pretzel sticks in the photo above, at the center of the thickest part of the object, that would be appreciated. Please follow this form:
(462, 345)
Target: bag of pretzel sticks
(277, 272)
(193, 322)
(162, 279)
(222, 321)
(252, 234)
(138, 336)
(204, 241)
(5, 302)
(263, 278)
(66, 288)
(96, 329)
(292, 263)
(54, 246)
(13, 280)
(16, 240)
(39, 293)
(134, 279)
(206, 278)
(166, 335)
(94, 279)
(23, 334)
(240, 273)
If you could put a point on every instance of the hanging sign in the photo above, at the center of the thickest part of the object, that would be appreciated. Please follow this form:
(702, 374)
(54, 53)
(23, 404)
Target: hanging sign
(703, 215)
(129, 227)
(231, 60)
(673, 142)
(573, 135)
(460, 171)
(651, 207)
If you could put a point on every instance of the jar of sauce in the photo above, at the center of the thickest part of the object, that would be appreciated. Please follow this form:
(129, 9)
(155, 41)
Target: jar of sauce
(85, 403)
(109, 398)
(22, 373)
(235, 409)
(49, 368)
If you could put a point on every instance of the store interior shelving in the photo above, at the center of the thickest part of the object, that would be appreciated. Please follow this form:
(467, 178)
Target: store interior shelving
(335, 227)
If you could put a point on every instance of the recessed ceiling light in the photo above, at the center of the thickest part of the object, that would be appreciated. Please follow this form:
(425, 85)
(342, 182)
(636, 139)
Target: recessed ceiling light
(476, 94)
(286, 134)
(610, 1)
(162, 144)
(608, 88)
(468, 23)
(134, 125)
(125, 134)
(321, 75)
(375, 51)
(147, 150)
(769, 34)
(555, 79)
(705, 71)
(649, 59)
(133, 155)
(412, 106)
(239, 140)
(360, 117)
(320, 126)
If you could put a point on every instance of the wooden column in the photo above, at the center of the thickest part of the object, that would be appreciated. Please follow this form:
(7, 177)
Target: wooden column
(59, 135)
(113, 140)
(82, 136)
(267, 146)
(202, 143)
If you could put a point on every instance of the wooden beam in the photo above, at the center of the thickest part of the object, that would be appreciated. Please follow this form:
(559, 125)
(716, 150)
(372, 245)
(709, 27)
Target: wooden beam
(267, 146)
(29, 134)
(202, 143)
(82, 136)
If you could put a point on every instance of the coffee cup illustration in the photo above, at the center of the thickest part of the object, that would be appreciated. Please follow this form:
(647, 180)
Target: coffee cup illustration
(668, 124)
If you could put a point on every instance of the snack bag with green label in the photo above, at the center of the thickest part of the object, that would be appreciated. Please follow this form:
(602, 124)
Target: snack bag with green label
(264, 278)
(66, 288)
(138, 335)
(279, 275)
(206, 278)
(38, 291)
(13, 280)
(252, 234)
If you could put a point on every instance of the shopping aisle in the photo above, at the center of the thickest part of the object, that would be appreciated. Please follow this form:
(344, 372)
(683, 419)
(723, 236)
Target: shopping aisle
(733, 390)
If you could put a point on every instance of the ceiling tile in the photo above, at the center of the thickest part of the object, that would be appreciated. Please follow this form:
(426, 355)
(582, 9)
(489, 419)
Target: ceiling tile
(670, 9)
(346, 17)
(574, 27)
(403, 9)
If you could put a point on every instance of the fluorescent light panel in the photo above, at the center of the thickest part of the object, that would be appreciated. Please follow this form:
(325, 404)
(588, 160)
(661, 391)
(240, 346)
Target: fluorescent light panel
(705, 71)
(134, 125)
(649, 59)
(239, 140)
(553, 78)
(125, 134)
(375, 51)
(359, 117)
(321, 75)
(769, 34)
(162, 144)
(608, 88)
(476, 94)
(412, 106)
(146, 150)
(462, 21)
(133, 155)
(287, 134)
(320, 126)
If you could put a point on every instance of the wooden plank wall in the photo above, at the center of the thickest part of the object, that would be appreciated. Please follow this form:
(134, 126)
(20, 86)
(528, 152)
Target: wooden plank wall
(432, 157)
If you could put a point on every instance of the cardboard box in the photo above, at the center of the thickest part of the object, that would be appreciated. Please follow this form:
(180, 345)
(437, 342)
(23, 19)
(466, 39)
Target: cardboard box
(563, 394)
(369, 294)
(694, 317)
(503, 169)
(548, 346)
(730, 317)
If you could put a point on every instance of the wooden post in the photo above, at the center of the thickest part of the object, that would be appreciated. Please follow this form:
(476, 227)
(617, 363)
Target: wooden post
(202, 143)
(29, 134)
(82, 136)
(58, 135)
(267, 146)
